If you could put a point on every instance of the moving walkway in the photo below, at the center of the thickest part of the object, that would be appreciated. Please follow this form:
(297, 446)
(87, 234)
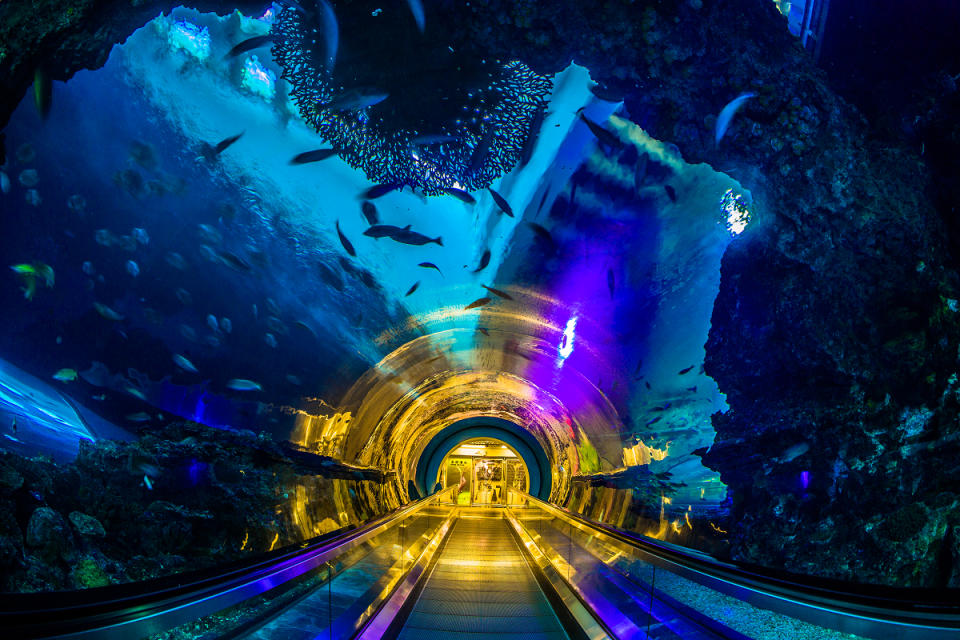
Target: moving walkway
(435, 569)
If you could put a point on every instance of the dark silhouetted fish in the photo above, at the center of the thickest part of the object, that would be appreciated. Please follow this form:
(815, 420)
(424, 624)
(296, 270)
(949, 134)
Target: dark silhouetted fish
(648, 385)
(300, 324)
(531, 142)
(413, 288)
(42, 92)
(611, 284)
(378, 190)
(313, 156)
(692, 389)
(654, 421)
(403, 235)
(484, 261)
(370, 212)
(483, 331)
(605, 137)
(460, 195)
(497, 292)
(249, 45)
(686, 370)
(671, 192)
(477, 303)
(233, 261)
(501, 202)
(430, 265)
(346, 243)
(221, 146)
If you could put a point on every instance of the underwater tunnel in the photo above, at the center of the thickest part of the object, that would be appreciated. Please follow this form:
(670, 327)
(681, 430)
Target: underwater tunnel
(422, 319)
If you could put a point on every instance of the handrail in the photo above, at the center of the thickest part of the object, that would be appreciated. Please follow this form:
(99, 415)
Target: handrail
(868, 610)
(156, 605)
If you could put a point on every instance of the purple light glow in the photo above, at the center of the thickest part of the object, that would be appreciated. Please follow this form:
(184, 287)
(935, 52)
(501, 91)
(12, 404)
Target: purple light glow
(805, 479)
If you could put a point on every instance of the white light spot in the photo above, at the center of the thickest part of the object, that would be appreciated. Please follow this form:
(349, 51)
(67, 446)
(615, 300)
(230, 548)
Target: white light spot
(566, 344)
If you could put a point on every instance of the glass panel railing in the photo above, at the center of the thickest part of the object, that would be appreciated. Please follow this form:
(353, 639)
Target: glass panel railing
(642, 588)
(325, 588)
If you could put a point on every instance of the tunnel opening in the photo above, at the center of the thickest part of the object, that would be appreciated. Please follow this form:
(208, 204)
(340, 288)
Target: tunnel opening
(513, 439)
(482, 470)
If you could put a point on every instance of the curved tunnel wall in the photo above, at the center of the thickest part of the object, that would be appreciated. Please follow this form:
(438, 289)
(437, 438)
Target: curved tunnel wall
(525, 445)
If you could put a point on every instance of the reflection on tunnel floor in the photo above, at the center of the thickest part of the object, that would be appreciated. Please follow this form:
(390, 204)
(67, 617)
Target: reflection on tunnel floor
(481, 584)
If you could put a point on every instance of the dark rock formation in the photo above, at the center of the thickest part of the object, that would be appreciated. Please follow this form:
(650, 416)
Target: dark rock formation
(183, 497)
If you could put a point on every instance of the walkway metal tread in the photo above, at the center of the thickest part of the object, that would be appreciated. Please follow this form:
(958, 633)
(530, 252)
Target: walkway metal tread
(481, 586)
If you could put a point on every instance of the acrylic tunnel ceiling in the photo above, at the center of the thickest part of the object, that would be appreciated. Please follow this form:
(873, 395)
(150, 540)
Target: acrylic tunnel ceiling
(233, 287)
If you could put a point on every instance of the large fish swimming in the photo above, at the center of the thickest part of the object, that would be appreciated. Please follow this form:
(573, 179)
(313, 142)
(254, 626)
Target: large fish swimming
(501, 202)
(249, 45)
(346, 243)
(403, 235)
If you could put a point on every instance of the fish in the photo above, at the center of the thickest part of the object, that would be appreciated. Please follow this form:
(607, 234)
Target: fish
(369, 211)
(531, 142)
(87, 268)
(147, 482)
(132, 268)
(226, 325)
(685, 370)
(331, 32)
(605, 137)
(501, 202)
(271, 340)
(209, 234)
(416, 8)
(141, 236)
(29, 178)
(379, 190)
(4, 182)
(176, 261)
(312, 156)
(240, 384)
(187, 332)
(294, 380)
(346, 243)
(330, 276)
(795, 451)
(232, 260)
(222, 146)
(654, 421)
(484, 331)
(430, 265)
(31, 273)
(140, 416)
(403, 235)
(671, 192)
(477, 303)
(42, 92)
(413, 288)
(498, 292)
(249, 45)
(611, 283)
(185, 364)
(65, 375)
(32, 197)
(484, 261)
(356, 99)
(100, 397)
(692, 389)
(460, 195)
(647, 385)
(107, 312)
(727, 113)
(212, 322)
(183, 296)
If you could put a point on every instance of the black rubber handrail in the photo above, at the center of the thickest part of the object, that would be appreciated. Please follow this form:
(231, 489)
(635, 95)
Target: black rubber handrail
(927, 607)
(114, 610)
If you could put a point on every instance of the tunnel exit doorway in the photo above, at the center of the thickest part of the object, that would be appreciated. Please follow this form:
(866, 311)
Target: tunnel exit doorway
(482, 470)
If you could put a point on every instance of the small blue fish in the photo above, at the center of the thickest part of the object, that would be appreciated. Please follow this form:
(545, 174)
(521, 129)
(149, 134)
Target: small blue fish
(239, 384)
(727, 113)
(132, 268)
